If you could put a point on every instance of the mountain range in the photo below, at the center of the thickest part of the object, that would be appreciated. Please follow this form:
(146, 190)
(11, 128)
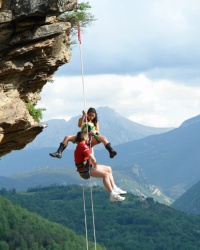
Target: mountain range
(133, 180)
(170, 160)
(115, 127)
(165, 164)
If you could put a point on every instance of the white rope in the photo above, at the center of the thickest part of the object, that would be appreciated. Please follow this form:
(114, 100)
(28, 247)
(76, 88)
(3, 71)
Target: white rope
(84, 103)
(86, 233)
(83, 83)
(93, 215)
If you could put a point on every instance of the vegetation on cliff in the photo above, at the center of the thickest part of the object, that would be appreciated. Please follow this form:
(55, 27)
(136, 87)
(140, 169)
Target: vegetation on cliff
(36, 113)
(80, 14)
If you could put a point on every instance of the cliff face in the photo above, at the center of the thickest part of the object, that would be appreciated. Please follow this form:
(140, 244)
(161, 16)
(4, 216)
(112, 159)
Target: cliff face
(33, 44)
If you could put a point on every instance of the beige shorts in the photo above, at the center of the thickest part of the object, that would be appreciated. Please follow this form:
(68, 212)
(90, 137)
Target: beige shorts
(85, 174)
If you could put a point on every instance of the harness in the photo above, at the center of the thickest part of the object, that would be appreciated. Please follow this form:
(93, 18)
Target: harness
(83, 165)
(83, 169)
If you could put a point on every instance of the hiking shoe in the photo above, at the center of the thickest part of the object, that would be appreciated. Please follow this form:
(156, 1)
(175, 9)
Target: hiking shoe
(119, 190)
(116, 198)
(112, 154)
(56, 154)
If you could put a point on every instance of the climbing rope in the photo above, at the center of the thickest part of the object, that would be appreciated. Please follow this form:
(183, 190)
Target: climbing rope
(81, 60)
(85, 217)
(84, 104)
(93, 221)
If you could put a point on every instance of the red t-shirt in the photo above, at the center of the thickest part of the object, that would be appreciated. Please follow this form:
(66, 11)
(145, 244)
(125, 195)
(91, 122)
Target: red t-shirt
(81, 153)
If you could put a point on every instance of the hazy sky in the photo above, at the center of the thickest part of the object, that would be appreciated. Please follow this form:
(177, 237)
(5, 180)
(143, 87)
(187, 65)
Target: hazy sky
(141, 58)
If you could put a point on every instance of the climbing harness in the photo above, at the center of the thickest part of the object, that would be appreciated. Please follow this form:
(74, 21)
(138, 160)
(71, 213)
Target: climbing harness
(86, 174)
(84, 169)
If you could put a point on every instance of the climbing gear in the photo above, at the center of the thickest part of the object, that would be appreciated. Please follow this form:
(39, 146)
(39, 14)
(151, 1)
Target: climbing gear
(110, 150)
(84, 104)
(84, 169)
(81, 166)
(58, 153)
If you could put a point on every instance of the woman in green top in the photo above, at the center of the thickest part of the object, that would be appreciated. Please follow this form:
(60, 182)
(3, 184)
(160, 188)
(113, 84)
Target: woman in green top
(89, 123)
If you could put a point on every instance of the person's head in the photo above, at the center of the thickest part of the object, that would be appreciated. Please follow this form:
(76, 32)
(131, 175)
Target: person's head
(92, 115)
(82, 136)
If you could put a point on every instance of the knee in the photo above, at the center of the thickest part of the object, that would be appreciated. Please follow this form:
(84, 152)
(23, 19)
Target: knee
(67, 137)
(109, 169)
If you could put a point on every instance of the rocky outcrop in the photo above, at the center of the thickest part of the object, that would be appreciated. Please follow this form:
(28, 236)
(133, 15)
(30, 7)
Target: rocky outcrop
(33, 44)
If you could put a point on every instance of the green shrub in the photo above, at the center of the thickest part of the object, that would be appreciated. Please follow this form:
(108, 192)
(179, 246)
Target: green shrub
(79, 15)
(35, 113)
(51, 80)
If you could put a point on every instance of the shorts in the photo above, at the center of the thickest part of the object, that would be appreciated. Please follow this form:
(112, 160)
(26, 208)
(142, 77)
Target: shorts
(96, 137)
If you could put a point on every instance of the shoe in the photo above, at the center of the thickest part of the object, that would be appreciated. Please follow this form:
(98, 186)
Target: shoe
(116, 198)
(112, 154)
(56, 154)
(110, 150)
(119, 191)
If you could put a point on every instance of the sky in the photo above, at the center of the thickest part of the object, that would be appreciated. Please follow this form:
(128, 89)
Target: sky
(140, 58)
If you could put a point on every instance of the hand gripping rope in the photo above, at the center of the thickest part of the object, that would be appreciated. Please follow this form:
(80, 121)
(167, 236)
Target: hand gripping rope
(84, 104)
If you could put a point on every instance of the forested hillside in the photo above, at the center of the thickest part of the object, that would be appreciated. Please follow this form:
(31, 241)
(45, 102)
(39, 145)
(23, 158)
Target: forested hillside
(132, 224)
(189, 202)
(23, 230)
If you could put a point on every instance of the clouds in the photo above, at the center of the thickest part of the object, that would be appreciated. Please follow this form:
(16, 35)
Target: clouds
(158, 103)
(158, 38)
(140, 58)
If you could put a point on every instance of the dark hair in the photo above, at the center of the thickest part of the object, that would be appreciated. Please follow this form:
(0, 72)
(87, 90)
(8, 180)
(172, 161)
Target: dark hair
(80, 136)
(95, 119)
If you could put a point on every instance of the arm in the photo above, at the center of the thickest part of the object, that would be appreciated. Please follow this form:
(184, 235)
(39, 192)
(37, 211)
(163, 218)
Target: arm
(93, 160)
(81, 120)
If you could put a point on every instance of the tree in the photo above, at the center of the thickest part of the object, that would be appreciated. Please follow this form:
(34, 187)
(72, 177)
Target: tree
(79, 15)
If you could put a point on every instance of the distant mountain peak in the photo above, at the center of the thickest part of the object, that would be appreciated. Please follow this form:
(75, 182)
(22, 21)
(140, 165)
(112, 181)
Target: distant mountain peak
(191, 121)
(106, 111)
(115, 127)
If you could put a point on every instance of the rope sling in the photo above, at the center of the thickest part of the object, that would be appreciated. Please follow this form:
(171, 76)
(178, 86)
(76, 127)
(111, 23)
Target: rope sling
(91, 193)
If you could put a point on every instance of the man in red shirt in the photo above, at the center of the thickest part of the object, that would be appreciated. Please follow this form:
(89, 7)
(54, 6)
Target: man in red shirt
(82, 156)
